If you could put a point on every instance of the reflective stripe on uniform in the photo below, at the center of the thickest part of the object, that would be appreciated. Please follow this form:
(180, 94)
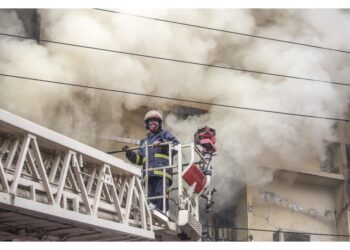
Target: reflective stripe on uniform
(138, 158)
(160, 173)
(164, 156)
(144, 160)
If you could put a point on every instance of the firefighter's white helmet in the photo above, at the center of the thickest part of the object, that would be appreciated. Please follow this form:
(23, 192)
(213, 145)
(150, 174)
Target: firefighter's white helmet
(153, 114)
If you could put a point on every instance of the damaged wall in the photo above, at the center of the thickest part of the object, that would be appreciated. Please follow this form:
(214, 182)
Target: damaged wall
(299, 207)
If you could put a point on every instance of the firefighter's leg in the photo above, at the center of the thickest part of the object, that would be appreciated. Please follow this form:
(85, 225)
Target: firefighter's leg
(151, 190)
(159, 192)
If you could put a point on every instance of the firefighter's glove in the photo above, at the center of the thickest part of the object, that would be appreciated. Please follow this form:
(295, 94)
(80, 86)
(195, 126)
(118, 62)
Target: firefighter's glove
(125, 148)
(156, 144)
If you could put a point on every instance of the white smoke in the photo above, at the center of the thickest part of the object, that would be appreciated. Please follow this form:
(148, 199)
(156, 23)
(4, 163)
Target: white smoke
(247, 140)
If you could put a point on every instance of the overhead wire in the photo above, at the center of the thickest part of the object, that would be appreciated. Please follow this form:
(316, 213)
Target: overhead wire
(177, 60)
(174, 99)
(180, 61)
(222, 30)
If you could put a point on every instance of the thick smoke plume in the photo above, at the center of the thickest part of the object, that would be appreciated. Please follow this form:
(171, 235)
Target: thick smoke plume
(248, 141)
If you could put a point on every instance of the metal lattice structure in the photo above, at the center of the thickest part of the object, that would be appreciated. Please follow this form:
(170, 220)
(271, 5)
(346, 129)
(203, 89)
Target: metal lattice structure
(53, 187)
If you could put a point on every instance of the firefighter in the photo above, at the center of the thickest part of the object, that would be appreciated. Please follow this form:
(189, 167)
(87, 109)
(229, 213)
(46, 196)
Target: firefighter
(158, 156)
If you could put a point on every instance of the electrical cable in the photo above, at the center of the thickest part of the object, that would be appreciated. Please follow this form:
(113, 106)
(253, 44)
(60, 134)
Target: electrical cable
(179, 61)
(174, 99)
(225, 31)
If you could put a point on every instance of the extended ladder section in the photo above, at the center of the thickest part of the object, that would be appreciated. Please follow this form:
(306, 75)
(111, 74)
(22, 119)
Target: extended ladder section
(55, 188)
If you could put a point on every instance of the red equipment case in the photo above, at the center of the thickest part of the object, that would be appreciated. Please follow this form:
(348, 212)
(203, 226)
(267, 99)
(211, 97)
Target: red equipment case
(195, 175)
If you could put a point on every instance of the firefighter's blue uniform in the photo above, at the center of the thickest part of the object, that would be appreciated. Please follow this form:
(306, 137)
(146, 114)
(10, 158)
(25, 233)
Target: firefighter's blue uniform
(157, 157)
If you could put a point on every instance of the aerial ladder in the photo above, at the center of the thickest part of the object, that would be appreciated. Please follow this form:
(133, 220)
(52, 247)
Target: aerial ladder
(55, 188)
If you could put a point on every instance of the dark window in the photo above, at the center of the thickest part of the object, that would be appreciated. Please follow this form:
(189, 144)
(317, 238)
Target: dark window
(348, 155)
(290, 236)
(183, 112)
(332, 164)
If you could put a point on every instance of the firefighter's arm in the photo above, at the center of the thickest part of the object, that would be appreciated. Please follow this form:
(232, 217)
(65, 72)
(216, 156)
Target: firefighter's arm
(133, 157)
(170, 138)
(167, 136)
